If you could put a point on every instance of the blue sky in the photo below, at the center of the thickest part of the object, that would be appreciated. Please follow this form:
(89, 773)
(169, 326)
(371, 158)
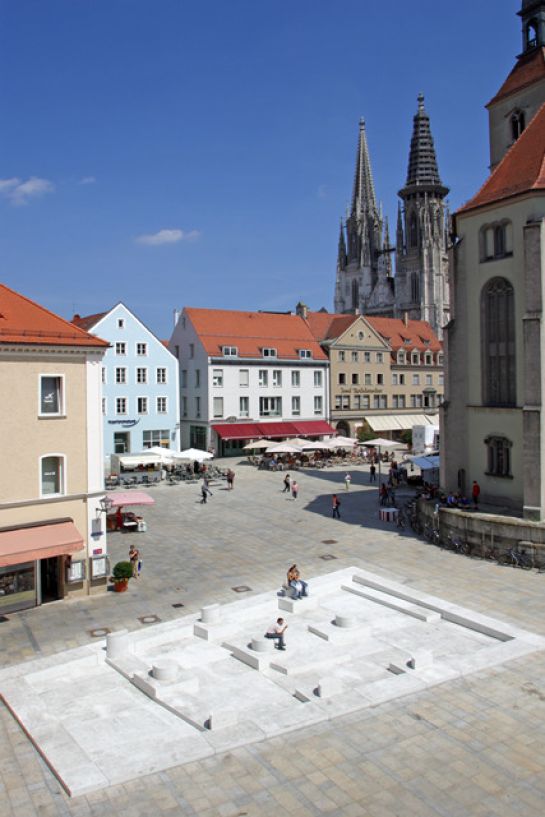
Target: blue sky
(169, 153)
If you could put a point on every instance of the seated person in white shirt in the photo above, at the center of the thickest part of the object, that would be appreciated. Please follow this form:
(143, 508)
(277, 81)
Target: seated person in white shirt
(277, 631)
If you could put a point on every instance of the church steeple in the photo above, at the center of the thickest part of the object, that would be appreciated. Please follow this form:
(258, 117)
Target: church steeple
(423, 172)
(363, 196)
(341, 257)
(533, 24)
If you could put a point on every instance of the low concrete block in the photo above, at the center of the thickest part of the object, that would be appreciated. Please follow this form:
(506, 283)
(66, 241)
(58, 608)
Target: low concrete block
(117, 644)
(145, 684)
(398, 667)
(262, 644)
(297, 605)
(210, 614)
(345, 621)
(421, 659)
(223, 719)
(165, 670)
(327, 687)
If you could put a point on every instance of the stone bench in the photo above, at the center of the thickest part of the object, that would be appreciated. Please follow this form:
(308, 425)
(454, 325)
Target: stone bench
(298, 605)
(394, 603)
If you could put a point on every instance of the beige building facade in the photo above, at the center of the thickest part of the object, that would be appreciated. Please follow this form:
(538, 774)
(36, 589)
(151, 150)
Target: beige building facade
(52, 529)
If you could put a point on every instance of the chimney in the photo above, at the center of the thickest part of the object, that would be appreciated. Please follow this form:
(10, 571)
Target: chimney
(406, 318)
(302, 310)
(177, 313)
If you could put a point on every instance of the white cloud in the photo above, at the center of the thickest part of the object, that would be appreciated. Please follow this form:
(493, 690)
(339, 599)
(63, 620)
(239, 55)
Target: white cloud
(19, 192)
(87, 180)
(167, 237)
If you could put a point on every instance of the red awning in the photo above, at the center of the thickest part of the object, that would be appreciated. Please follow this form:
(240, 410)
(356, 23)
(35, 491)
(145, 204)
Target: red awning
(313, 427)
(39, 542)
(277, 430)
(238, 431)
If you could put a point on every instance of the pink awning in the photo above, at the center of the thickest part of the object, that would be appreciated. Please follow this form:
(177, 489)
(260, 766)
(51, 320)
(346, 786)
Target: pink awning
(39, 542)
(123, 498)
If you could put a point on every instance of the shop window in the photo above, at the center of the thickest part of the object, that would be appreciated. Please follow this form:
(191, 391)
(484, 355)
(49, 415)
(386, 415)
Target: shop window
(156, 437)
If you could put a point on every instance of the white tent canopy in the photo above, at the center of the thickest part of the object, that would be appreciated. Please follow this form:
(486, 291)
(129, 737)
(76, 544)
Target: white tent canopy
(399, 422)
(340, 442)
(258, 444)
(193, 454)
(283, 448)
(380, 442)
(134, 460)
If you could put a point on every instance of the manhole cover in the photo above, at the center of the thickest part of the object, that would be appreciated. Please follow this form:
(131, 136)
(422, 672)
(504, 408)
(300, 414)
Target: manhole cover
(242, 588)
(99, 632)
(149, 619)
(178, 604)
(3, 618)
(329, 541)
(327, 557)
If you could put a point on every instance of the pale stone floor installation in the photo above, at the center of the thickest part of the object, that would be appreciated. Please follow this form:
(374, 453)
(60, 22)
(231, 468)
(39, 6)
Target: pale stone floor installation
(465, 736)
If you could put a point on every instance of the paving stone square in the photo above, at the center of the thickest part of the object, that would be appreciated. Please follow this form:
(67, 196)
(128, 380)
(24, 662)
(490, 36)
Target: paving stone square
(472, 745)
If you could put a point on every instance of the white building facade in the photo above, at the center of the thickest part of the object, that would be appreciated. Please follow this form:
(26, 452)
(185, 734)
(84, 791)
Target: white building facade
(248, 375)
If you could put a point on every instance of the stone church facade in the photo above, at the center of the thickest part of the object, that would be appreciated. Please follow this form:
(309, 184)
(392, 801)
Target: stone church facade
(365, 282)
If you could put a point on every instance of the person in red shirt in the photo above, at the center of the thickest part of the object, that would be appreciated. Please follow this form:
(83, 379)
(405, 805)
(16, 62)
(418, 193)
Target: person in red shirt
(475, 493)
(336, 503)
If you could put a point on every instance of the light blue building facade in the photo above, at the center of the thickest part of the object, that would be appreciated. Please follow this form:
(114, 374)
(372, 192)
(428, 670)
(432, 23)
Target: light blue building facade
(140, 394)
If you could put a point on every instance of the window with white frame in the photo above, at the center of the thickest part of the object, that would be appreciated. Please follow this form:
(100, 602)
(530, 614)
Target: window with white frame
(416, 401)
(268, 352)
(104, 405)
(263, 377)
(52, 475)
(141, 349)
(401, 357)
(277, 378)
(51, 395)
(367, 357)
(355, 378)
(305, 353)
(440, 359)
(141, 374)
(121, 348)
(120, 405)
(104, 374)
(296, 406)
(428, 359)
(270, 406)
(318, 379)
(429, 380)
(338, 401)
(296, 379)
(441, 379)
(365, 401)
(394, 379)
(380, 357)
(318, 404)
(217, 378)
(367, 379)
(380, 401)
(142, 405)
(120, 374)
(161, 405)
(244, 378)
(357, 402)
(244, 407)
(380, 379)
(416, 379)
(230, 351)
(341, 356)
(156, 437)
(342, 379)
(184, 406)
(415, 358)
(401, 379)
(354, 356)
(160, 375)
(217, 407)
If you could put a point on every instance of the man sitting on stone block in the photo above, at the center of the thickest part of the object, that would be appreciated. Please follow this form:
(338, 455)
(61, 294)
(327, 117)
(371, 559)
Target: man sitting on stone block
(295, 581)
(277, 631)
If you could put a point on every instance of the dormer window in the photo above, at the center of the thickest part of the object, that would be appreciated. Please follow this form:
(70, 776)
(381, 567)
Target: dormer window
(268, 352)
(230, 351)
(428, 359)
(407, 341)
(401, 357)
(440, 359)
(305, 353)
(415, 358)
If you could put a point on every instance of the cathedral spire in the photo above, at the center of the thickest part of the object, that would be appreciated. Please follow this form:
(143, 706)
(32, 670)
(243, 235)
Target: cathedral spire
(364, 189)
(423, 172)
(341, 257)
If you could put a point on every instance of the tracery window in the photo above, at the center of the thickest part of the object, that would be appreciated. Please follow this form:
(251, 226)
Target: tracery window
(498, 456)
(498, 343)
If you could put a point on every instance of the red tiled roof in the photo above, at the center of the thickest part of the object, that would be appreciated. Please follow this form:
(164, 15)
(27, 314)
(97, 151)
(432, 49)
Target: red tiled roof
(529, 68)
(522, 168)
(165, 343)
(88, 321)
(250, 332)
(24, 321)
(418, 334)
(393, 330)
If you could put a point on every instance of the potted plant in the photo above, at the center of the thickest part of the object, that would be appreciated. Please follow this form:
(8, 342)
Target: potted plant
(121, 574)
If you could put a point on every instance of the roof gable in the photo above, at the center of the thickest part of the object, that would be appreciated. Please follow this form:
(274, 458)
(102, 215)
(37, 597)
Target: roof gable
(100, 321)
(521, 170)
(24, 321)
(411, 335)
(528, 69)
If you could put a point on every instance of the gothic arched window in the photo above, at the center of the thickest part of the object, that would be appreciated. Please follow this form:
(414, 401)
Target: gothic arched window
(498, 456)
(498, 343)
(355, 294)
(531, 34)
(413, 230)
(518, 123)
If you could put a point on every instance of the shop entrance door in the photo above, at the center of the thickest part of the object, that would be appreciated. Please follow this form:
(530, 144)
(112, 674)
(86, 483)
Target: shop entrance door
(122, 442)
(50, 579)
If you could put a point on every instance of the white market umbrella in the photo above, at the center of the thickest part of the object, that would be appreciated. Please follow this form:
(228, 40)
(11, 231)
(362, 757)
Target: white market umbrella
(317, 445)
(164, 455)
(282, 448)
(380, 442)
(341, 442)
(299, 442)
(258, 444)
(193, 454)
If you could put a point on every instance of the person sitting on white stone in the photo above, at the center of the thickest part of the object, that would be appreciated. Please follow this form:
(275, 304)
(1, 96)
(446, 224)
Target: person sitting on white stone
(295, 581)
(276, 631)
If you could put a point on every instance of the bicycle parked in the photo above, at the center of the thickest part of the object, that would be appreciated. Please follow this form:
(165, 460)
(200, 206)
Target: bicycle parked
(517, 558)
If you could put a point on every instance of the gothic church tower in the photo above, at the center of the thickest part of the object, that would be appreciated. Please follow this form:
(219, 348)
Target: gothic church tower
(421, 282)
(361, 271)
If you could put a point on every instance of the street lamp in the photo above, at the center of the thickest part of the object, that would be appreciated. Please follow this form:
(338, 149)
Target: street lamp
(106, 505)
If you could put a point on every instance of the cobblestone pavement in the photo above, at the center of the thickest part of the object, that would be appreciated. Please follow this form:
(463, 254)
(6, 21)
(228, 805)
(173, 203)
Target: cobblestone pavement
(471, 747)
